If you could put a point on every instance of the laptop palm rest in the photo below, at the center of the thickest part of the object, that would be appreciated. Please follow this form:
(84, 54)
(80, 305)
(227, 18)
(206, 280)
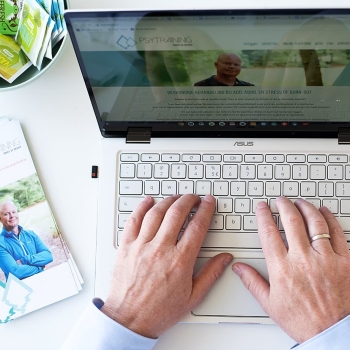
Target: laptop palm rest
(229, 297)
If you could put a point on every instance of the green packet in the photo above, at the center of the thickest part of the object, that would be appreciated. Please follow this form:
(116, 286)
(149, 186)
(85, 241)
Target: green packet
(13, 61)
(9, 16)
(32, 29)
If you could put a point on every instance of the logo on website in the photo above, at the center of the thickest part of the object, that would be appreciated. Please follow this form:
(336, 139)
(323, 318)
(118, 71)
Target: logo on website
(176, 41)
(125, 42)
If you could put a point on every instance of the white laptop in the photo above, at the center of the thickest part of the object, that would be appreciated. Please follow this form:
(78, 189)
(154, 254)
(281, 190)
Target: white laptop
(246, 105)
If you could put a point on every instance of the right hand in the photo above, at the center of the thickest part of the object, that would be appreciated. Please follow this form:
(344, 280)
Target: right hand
(309, 283)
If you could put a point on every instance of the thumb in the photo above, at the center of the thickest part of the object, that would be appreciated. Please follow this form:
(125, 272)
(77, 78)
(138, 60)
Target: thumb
(208, 275)
(254, 282)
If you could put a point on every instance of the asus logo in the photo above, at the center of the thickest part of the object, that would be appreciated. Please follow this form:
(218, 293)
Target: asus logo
(244, 144)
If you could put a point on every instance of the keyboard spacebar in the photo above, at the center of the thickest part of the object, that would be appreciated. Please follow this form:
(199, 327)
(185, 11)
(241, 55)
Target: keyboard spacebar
(222, 239)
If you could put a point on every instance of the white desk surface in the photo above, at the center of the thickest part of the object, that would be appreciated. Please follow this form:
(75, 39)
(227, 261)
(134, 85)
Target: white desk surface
(63, 136)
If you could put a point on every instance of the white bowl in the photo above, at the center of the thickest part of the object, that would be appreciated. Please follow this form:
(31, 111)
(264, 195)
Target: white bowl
(32, 72)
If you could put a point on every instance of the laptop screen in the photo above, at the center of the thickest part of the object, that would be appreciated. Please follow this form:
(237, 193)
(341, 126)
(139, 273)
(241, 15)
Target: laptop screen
(216, 69)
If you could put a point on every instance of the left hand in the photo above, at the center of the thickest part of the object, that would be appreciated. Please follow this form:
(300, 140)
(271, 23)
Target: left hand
(153, 285)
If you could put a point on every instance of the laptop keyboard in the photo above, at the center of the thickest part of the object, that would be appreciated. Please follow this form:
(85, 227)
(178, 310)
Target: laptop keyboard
(238, 182)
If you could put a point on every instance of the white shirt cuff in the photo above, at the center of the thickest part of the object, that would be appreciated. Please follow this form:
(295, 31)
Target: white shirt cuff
(336, 337)
(95, 330)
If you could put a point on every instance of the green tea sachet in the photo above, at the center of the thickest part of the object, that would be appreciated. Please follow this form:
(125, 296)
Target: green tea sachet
(13, 62)
(32, 29)
(9, 16)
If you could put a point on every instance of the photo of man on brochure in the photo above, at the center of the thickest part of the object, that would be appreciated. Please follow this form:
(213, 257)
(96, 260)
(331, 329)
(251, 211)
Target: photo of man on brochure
(29, 241)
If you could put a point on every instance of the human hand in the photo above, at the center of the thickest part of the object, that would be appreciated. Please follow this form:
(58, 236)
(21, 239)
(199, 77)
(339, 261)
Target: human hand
(19, 262)
(153, 285)
(309, 283)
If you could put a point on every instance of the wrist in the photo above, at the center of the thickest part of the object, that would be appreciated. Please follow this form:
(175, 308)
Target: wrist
(124, 317)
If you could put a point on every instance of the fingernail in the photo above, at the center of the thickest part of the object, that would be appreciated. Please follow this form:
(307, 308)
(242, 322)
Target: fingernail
(261, 205)
(228, 260)
(209, 198)
(237, 270)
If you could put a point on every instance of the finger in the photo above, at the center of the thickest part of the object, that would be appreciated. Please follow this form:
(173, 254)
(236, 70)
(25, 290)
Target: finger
(207, 276)
(134, 222)
(270, 237)
(316, 225)
(255, 283)
(338, 239)
(154, 218)
(175, 218)
(195, 232)
(293, 224)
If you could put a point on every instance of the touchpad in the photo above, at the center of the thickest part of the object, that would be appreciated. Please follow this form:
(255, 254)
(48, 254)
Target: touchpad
(228, 296)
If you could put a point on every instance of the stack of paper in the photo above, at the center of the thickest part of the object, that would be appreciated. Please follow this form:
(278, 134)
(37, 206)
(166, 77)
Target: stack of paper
(36, 266)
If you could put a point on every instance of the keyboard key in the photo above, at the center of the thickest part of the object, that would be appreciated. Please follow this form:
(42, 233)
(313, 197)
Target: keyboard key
(144, 171)
(291, 189)
(272, 189)
(150, 157)
(230, 171)
(211, 157)
(233, 222)
(203, 188)
(127, 170)
(169, 188)
(254, 158)
(249, 223)
(296, 158)
(221, 188)
(224, 205)
(325, 189)
(308, 189)
(238, 188)
(233, 158)
(317, 172)
(222, 239)
(128, 203)
(161, 171)
(315, 202)
(242, 205)
(335, 172)
(344, 222)
(130, 187)
(256, 201)
(347, 172)
(345, 206)
(195, 171)
(274, 158)
(170, 158)
(332, 205)
(255, 188)
(129, 157)
(282, 172)
(342, 189)
(152, 188)
(248, 171)
(213, 171)
(265, 172)
(191, 157)
(186, 187)
(122, 219)
(317, 158)
(300, 172)
(217, 222)
(338, 158)
(178, 171)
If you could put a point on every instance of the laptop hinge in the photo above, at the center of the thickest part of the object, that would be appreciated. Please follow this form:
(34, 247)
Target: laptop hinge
(344, 136)
(139, 135)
